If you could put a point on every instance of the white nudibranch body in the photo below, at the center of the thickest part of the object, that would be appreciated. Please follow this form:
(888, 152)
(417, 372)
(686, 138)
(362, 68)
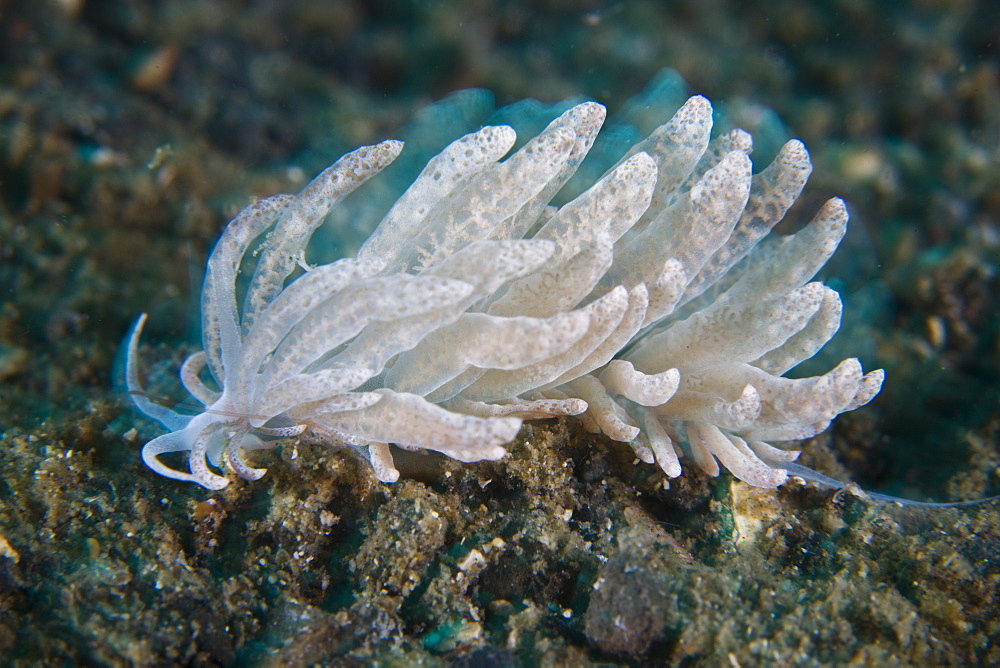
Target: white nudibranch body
(645, 306)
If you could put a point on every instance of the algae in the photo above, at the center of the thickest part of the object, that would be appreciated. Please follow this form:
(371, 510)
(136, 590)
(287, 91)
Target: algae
(530, 560)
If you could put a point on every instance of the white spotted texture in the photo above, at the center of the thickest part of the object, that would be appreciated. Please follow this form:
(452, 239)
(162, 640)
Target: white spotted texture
(645, 305)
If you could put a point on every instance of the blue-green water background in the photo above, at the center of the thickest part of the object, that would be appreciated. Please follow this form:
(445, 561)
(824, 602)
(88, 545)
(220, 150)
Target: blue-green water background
(130, 131)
